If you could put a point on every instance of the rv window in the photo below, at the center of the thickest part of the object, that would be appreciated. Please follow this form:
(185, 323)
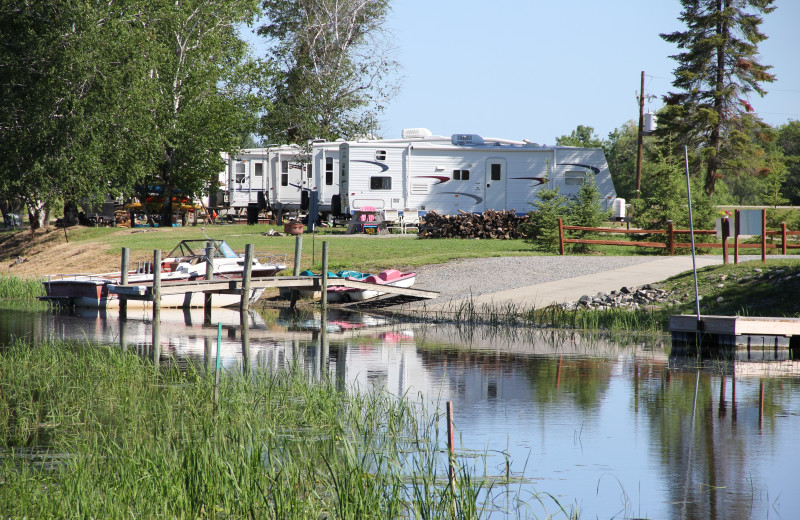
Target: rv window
(240, 178)
(380, 183)
(574, 178)
(461, 175)
(284, 179)
(380, 155)
(240, 167)
(284, 166)
(309, 171)
(329, 171)
(259, 170)
(496, 171)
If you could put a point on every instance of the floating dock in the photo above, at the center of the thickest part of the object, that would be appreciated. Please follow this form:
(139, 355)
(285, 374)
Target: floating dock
(735, 331)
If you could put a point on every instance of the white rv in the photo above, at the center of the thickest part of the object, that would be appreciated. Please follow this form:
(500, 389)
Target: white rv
(279, 176)
(463, 173)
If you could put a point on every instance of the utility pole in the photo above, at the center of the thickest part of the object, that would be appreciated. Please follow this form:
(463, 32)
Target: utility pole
(639, 142)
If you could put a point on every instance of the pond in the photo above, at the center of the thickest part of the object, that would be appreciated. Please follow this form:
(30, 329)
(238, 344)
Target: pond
(608, 427)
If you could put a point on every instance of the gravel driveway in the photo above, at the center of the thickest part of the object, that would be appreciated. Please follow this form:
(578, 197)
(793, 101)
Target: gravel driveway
(477, 276)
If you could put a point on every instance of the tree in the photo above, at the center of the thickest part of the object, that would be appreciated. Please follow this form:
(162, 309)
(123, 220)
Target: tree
(587, 210)
(664, 196)
(204, 100)
(582, 136)
(620, 151)
(334, 71)
(69, 70)
(717, 70)
(541, 228)
(100, 97)
(789, 141)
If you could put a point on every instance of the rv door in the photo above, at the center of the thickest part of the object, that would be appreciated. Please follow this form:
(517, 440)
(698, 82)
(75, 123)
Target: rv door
(495, 193)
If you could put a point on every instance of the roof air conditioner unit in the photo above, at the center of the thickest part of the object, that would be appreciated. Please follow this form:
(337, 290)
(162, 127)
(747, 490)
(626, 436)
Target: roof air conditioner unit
(466, 139)
(416, 133)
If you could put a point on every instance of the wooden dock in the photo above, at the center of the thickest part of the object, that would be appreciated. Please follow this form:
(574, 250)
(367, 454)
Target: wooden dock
(235, 286)
(733, 331)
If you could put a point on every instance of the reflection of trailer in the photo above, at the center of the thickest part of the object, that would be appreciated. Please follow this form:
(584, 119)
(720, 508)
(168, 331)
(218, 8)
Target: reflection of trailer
(463, 173)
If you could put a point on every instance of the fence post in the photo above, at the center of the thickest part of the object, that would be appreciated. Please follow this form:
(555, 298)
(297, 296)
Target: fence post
(763, 235)
(671, 238)
(561, 237)
(726, 233)
(783, 238)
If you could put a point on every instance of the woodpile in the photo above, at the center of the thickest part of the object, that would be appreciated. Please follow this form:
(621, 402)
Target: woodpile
(491, 224)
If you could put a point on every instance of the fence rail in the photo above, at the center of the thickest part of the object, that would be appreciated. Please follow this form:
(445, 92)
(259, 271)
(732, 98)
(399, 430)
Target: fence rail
(671, 244)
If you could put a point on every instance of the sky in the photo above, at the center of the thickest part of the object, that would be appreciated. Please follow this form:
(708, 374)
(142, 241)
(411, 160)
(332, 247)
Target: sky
(535, 70)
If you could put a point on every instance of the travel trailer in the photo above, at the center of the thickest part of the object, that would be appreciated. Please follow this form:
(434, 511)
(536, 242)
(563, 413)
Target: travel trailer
(463, 173)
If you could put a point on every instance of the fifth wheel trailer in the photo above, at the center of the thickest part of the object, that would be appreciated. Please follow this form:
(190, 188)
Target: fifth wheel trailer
(463, 173)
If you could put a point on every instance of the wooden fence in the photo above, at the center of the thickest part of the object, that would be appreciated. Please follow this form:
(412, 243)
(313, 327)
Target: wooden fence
(671, 233)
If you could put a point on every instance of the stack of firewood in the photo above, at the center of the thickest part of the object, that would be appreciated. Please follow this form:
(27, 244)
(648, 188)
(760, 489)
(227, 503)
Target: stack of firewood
(491, 224)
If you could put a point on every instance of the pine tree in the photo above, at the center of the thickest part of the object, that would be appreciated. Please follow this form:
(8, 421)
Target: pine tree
(717, 70)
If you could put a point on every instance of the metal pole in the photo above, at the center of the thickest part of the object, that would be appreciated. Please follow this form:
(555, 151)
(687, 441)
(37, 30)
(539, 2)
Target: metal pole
(691, 233)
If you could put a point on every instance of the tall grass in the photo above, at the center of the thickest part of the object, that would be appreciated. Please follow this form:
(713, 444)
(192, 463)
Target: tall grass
(95, 432)
(510, 314)
(16, 288)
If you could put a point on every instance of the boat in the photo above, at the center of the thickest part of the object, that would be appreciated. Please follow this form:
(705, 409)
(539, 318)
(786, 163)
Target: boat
(310, 293)
(389, 277)
(185, 262)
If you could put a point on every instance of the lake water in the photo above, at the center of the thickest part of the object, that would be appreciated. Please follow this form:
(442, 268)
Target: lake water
(608, 427)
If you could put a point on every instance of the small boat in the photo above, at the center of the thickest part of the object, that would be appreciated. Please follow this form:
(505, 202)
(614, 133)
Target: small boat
(332, 291)
(186, 262)
(390, 277)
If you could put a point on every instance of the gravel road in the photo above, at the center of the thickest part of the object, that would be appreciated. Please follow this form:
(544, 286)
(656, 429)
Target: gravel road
(461, 279)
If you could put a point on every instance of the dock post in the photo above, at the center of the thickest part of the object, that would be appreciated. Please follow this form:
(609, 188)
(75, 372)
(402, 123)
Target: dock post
(298, 251)
(763, 236)
(450, 448)
(244, 303)
(156, 306)
(244, 325)
(726, 233)
(736, 229)
(671, 237)
(561, 237)
(324, 299)
(209, 276)
(123, 279)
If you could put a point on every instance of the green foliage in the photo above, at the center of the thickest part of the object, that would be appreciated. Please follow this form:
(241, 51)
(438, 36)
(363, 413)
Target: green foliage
(124, 439)
(105, 96)
(586, 209)
(788, 139)
(541, 227)
(664, 197)
(582, 136)
(620, 151)
(333, 68)
(717, 68)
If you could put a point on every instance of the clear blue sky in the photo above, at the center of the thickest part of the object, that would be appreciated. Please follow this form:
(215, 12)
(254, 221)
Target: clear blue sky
(530, 69)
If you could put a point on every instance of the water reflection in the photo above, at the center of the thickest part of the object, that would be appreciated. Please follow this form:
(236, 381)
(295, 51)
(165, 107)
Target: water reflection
(614, 428)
